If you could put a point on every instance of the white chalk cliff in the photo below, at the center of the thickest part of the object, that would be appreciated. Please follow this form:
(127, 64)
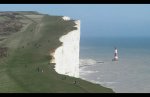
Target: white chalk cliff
(66, 18)
(66, 57)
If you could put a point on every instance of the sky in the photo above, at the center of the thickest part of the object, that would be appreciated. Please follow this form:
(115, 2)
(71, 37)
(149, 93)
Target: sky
(98, 20)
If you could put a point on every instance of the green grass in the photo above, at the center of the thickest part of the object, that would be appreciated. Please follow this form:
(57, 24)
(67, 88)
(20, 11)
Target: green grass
(19, 71)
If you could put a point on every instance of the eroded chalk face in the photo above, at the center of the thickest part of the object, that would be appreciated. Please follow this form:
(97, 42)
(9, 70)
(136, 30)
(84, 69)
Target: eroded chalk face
(66, 56)
(66, 18)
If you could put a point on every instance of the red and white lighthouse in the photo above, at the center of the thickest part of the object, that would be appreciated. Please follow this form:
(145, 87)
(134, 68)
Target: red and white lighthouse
(115, 55)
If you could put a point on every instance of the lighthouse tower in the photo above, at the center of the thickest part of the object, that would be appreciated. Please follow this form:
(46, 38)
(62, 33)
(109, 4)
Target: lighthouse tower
(115, 55)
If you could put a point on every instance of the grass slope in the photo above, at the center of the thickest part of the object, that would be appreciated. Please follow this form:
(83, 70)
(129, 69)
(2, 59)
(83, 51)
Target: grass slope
(29, 52)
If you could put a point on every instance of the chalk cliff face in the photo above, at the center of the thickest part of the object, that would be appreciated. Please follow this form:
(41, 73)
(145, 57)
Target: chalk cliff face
(66, 56)
(66, 18)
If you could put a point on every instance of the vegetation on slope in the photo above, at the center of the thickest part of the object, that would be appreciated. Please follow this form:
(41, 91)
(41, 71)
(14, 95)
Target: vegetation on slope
(26, 67)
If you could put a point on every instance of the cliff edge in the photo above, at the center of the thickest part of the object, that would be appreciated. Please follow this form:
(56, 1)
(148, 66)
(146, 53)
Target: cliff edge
(66, 56)
(39, 53)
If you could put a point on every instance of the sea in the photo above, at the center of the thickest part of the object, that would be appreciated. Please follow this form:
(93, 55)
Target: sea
(130, 74)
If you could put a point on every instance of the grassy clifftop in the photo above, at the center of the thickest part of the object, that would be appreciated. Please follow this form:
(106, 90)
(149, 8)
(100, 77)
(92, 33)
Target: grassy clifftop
(25, 55)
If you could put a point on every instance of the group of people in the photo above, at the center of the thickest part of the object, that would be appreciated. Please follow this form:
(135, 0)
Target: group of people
(64, 78)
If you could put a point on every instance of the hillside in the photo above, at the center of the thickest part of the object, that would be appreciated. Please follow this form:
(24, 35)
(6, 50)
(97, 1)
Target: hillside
(25, 42)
